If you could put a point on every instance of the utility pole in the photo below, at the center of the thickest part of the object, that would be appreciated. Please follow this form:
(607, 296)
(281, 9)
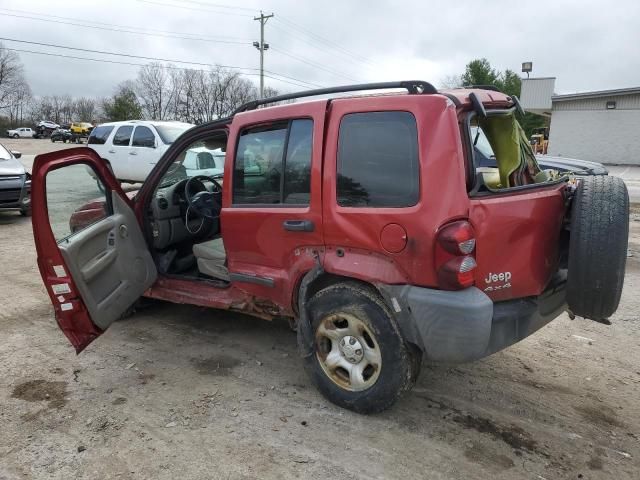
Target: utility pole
(262, 47)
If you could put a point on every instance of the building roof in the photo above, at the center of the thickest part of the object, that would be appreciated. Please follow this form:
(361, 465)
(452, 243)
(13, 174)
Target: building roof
(599, 93)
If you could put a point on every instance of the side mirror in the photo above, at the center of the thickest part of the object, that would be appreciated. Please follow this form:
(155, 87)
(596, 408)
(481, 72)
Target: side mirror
(16, 154)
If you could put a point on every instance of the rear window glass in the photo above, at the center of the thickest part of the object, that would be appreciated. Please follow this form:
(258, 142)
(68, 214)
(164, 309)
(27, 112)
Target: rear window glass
(99, 135)
(378, 163)
(169, 133)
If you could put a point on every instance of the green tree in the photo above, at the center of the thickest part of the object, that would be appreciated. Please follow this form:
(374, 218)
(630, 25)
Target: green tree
(509, 82)
(480, 72)
(123, 105)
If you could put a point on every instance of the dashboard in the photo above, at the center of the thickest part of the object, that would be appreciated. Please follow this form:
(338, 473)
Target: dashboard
(168, 211)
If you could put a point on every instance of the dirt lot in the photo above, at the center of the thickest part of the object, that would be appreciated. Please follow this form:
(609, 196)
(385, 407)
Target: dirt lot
(182, 392)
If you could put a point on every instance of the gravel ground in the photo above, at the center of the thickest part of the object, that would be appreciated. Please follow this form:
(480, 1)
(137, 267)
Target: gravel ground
(180, 391)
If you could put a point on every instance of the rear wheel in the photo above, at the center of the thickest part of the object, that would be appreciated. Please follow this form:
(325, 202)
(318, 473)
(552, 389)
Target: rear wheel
(360, 361)
(598, 246)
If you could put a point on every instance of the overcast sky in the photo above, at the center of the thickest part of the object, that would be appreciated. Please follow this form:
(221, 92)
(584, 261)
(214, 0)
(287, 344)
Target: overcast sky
(586, 45)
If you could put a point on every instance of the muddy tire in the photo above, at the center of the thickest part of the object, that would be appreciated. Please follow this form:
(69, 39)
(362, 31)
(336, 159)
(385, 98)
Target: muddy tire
(360, 361)
(598, 247)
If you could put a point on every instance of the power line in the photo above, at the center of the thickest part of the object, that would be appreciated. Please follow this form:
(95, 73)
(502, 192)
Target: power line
(132, 30)
(163, 34)
(288, 23)
(324, 40)
(315, 44)
(184, 7)
(128, 55)
(297, 83)
(217, 5)
(311, 63)
(155, 59)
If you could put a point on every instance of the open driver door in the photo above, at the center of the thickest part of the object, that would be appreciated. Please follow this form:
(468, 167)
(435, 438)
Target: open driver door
(92, 255)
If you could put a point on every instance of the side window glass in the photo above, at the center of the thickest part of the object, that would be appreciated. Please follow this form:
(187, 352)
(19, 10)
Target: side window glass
(143, 137)
(297, 171)
(378, 163)
(75, 199)
(99, 135)
(258, 166)
(122, 136)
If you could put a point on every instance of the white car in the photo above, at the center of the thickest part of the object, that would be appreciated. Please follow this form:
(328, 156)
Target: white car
(202, 161)
(134, 147)
(48, 124)
(20, 132)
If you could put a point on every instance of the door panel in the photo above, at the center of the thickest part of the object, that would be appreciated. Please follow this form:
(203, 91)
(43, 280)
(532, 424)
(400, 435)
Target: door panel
(143, 154)
(118, 152)
(111, 264)
(91, 252)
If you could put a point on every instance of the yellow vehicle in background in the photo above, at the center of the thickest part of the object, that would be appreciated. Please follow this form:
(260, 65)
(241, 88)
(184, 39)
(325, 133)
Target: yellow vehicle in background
(540, 140)
(81, 128)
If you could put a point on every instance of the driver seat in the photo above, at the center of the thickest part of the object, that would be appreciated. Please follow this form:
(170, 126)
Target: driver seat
(212, 258)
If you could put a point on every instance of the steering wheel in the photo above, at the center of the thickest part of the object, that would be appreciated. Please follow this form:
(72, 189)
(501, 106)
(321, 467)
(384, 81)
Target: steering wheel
(203, 203)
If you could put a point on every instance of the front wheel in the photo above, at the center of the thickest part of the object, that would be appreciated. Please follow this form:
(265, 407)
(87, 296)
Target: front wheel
(16, 136)
(360, 360)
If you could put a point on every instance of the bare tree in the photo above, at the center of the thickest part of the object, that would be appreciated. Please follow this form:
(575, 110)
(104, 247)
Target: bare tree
(11, 75)
(153, 87)
(18, 103)
(86, 109)
(195, 96)
(451, 81)
(67, 109)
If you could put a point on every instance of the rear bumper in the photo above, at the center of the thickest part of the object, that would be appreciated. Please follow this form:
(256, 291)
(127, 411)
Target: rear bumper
(462, 326)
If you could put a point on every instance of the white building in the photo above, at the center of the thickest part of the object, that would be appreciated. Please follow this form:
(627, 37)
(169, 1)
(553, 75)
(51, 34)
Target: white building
(601, 126)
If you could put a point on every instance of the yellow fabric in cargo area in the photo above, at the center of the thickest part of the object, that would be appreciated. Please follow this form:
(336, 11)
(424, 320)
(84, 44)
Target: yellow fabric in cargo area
(512, 150)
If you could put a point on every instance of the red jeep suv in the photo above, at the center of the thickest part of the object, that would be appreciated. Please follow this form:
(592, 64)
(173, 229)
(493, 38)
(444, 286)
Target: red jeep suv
(365, 220)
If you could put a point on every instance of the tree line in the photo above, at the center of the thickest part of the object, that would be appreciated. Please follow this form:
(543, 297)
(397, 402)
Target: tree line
(158, 92)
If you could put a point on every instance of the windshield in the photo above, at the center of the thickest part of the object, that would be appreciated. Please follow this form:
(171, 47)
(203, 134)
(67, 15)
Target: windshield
(202, 157)
(169, 133)
(4, 153)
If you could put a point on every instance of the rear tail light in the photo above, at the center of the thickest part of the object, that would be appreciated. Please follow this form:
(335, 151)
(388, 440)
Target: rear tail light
(455, 260)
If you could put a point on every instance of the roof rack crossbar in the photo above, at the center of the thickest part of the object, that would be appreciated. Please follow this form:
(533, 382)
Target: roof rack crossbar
(412, 86)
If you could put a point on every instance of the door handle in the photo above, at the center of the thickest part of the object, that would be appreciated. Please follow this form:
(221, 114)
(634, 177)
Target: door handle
(133, 153)
(298, 225)
(112, 151)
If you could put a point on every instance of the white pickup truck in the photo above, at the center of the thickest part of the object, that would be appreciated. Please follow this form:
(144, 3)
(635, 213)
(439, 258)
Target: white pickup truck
(22, 132)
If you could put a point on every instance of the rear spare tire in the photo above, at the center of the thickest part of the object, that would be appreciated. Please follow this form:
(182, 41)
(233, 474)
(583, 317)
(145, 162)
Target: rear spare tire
(598, 246)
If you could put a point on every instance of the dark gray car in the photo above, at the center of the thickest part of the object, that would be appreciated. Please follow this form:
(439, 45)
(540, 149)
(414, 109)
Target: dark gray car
(484, 157)
(15, 183)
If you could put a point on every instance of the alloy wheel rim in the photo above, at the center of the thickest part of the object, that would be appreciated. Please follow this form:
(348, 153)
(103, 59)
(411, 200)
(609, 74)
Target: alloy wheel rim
(348, 352)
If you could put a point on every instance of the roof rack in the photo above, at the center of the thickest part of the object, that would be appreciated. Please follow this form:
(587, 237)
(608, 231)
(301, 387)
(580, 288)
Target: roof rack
(412, 86)
(484, 87)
